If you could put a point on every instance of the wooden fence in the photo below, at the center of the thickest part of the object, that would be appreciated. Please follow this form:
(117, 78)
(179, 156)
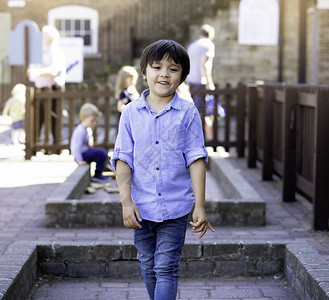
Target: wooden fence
(234, 102)
(57, 132)
(49, 104)
(288, 134)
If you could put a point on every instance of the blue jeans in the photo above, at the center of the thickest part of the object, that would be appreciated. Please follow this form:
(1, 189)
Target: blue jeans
(159, 248)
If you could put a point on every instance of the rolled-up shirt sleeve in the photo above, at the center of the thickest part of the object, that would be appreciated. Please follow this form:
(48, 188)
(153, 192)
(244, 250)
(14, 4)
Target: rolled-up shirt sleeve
(124, 141)
(194, 141)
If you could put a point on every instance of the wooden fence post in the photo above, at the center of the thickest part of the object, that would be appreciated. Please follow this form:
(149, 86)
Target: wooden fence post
(29, 123)
(94, 100)
(289, 145)
(203, 111)
(240, 118)
(58, 121)
(107, 111)
(227, 104)
(321, 164)
(252, 125)
(72, 107)
(47, 115)
(268, 133)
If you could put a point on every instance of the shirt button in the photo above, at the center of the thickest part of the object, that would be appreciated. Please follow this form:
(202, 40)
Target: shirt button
(157, 169)
(157, 142)
(159, 194)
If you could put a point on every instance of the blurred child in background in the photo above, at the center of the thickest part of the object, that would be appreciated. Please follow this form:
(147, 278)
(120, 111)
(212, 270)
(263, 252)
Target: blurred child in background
(125, 89)
(82, 142)
(15, 109)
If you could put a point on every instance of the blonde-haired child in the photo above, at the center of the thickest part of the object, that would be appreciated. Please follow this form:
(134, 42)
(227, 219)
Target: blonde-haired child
(15, 109)
(82, 147)
(125, 89)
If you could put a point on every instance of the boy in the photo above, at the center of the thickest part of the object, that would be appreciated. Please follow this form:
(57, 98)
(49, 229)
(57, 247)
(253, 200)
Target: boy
(159, 156)
(82, 142)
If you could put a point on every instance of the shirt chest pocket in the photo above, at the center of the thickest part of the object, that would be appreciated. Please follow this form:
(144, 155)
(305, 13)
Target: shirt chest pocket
(173, 137)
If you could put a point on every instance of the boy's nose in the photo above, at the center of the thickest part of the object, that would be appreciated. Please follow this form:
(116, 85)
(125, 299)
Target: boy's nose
(164, 72)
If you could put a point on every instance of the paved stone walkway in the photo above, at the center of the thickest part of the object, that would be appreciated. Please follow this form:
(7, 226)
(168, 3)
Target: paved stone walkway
(25, 185)
(192, 289)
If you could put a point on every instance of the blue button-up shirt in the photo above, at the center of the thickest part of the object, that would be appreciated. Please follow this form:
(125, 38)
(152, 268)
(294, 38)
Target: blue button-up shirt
(159, 147)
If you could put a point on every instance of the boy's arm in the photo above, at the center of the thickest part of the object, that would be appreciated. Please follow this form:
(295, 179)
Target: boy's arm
(198, 178)
(206, 73)
(129, 210)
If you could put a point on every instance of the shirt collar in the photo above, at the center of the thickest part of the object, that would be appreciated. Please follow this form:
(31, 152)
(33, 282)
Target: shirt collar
(175, 102)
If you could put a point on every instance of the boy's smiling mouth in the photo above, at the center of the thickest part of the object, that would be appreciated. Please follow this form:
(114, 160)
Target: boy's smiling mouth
(163, 82)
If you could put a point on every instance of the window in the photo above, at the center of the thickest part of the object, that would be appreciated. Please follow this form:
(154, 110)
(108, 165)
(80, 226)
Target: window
(77, 21)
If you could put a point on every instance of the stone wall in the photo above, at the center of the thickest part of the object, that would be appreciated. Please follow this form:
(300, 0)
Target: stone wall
(239, 63)
(317, 47)
(310, 46)
(126, 26)
(290, 41)
(323, 46)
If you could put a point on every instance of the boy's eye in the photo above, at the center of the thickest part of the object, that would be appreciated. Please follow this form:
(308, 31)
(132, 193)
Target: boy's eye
(173, 69)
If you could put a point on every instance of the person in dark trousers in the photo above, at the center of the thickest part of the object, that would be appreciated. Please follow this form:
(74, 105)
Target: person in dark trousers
(51, 74)
(202, 53)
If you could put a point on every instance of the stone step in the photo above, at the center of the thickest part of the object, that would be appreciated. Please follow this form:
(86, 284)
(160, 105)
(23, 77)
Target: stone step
(300, 264)
(230, 200)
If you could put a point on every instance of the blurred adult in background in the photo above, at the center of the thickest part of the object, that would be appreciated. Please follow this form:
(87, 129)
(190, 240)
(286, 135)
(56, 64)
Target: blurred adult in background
(202, 53)
(51, 73)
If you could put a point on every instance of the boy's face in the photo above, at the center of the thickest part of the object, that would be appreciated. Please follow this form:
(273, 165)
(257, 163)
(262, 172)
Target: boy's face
(90, 122)
(163, 77)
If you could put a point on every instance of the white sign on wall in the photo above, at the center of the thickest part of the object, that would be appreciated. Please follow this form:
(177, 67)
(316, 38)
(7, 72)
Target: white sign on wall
(323, 4)
(258, 22)
(73, 50)
(16, 3)
(17, 44)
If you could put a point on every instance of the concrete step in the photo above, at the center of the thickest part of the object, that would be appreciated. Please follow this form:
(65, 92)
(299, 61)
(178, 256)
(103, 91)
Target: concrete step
(230, 200)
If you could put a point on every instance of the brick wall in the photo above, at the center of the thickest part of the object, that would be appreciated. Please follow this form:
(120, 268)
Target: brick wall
(127, 26)
(147, 21)
(37, 10)
(154, 20)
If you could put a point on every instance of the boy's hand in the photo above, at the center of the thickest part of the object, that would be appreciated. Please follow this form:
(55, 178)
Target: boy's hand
(130, 213)
(200, 222)
(82, 162)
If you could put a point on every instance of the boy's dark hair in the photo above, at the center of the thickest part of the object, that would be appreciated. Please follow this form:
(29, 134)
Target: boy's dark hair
(156, 51)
